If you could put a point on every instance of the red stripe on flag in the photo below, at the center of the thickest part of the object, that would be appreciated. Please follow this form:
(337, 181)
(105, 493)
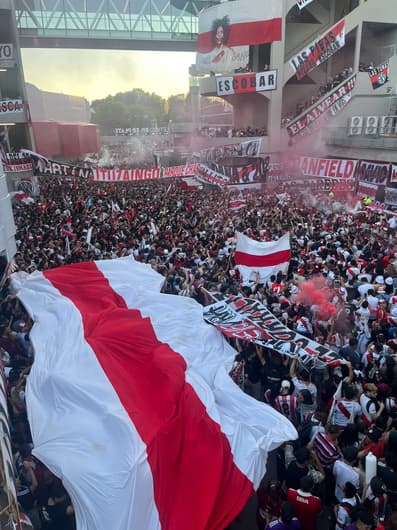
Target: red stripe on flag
(269, 260)
(196, 482)
(244, 34)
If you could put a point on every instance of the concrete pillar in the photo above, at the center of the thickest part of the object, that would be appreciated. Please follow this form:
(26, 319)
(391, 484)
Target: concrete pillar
(357, 49)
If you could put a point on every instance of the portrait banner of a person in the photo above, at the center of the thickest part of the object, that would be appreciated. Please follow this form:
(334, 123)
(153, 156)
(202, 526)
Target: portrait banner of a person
(226, 31)
(222, 58)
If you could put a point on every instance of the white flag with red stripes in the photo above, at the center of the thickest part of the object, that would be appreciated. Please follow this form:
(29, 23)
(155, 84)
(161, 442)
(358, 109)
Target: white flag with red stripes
(130, 402)
(266, 258)
(236, 204)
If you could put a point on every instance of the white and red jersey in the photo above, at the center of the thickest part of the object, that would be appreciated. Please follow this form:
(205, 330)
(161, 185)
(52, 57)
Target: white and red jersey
(287, 406)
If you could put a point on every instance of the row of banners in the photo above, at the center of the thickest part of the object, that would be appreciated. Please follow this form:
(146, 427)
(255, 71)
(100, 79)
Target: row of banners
(367, 172)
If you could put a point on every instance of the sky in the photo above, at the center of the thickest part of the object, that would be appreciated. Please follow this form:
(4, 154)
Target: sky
(94, 74)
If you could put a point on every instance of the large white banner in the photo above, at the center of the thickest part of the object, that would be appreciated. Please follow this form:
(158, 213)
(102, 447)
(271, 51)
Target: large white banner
(227, 30)
(319, 50)
(326, 167)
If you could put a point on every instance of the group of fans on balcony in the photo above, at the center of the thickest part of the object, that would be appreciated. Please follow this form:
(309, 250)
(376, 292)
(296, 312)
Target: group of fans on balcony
(324, 89)
(189, 237)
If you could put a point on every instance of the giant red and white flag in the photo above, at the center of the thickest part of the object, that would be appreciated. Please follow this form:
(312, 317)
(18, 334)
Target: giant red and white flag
(267, 258)
(130, 402)
(243, 23)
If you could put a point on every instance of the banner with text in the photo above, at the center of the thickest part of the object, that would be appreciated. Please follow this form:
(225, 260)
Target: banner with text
(379, 76)
(11, 106)
(123, 175)
(43, 167)
(180, 171)
(251, 147)
(316, 116)
(209, 176)
(393, 173)
(319, 50)
(373, 173)
(249, 320)
(365, 189)
(242, 83)
(325, 167)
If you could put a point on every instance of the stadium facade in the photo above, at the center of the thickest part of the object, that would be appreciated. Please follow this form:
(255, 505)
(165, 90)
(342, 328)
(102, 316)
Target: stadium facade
(351, 42)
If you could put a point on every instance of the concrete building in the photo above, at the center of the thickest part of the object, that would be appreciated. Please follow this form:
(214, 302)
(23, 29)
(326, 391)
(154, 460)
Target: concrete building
(364, 126)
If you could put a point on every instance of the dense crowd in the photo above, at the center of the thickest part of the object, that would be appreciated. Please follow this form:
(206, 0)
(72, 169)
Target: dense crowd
(230, 132)
(342, 412)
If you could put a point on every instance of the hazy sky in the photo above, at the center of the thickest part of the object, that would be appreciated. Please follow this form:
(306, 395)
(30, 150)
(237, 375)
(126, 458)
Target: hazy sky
(94, 74)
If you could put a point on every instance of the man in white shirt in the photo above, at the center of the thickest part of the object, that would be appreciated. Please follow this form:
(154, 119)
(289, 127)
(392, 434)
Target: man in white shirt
(347, 409)
(344, 472)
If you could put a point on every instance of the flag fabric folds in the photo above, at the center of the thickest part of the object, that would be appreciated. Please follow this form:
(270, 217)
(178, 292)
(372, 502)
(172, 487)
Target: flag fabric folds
(267, 258)
(130, 402)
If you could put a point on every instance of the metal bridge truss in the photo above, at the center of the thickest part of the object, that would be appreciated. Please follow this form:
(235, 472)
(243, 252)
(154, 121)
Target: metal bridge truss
(39, 21)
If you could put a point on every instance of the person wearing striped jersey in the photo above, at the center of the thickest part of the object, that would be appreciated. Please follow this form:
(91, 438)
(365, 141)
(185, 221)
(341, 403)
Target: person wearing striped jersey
(286, 403)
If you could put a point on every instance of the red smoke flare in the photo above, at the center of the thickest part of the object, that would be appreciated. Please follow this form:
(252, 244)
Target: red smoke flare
(316, 292)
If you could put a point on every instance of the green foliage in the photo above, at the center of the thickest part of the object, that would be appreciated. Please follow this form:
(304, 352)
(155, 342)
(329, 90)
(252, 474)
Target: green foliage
(136, 108)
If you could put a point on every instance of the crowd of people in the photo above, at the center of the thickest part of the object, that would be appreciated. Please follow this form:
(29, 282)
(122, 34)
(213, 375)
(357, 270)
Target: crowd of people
(324, 89)
(230, 132)
(342, 413)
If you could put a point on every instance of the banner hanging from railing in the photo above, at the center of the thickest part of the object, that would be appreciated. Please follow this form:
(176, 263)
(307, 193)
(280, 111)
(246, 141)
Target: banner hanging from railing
(314, 118)
(17, 163)
(373, 173)
(379, 76)
(319, 50)
(326, 167)
(243, 83)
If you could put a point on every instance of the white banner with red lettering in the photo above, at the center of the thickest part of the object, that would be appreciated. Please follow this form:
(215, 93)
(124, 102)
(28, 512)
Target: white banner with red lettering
(122, 175)
(319, 50)
(243, 83)
(326, 167)
(17, 162)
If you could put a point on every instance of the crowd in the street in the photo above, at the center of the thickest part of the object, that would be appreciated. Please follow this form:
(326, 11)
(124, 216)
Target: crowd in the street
(345, 414)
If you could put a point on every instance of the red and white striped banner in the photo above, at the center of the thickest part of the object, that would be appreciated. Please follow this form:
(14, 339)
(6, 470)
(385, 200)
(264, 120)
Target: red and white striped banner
(126, 403)
(265, 257)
